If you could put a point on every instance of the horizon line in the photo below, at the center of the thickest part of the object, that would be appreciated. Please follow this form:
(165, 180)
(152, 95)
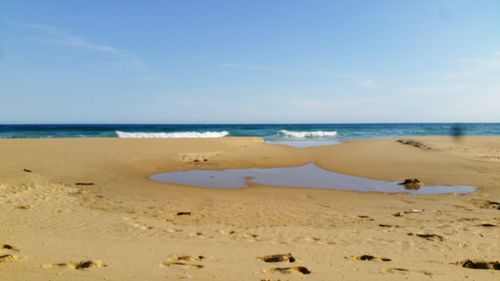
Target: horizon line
(203, 124)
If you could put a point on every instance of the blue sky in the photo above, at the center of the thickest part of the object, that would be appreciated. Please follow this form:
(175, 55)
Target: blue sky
(249, 61)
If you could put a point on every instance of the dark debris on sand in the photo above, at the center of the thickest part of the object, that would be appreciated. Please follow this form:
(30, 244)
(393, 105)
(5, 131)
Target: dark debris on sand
(414, 143)
(491, 265)
(278, 258)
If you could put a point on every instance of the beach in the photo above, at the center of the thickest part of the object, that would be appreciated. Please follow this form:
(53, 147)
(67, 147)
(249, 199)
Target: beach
(85, 209)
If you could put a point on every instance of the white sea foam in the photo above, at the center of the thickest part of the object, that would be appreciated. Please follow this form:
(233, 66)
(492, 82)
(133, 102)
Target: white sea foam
(308, 134)
(173, 135)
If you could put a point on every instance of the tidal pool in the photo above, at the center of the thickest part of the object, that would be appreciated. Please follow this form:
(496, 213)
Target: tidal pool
(307, 176)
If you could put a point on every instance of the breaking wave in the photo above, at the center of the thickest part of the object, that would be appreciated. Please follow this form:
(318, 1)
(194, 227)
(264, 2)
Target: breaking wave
(173, 135)
(308, 134)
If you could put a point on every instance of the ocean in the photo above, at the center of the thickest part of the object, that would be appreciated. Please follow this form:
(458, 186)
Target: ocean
(292, 134)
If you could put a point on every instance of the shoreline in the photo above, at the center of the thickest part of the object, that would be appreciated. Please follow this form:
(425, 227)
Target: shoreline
(130, 228)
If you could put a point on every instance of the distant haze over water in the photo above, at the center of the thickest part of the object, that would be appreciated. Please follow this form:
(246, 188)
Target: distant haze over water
(294, 134)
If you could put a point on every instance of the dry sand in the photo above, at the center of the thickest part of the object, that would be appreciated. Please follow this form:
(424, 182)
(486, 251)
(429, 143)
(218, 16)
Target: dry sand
(126, 227)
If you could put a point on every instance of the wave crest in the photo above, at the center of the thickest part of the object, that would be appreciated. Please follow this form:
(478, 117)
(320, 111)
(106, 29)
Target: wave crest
(207, 134)
(308, 134)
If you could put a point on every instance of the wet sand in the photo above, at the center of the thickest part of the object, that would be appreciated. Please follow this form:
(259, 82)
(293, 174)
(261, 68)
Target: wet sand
(84, 209)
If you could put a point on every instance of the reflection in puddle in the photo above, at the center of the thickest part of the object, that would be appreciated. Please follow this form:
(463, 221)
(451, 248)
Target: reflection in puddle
(307, 176)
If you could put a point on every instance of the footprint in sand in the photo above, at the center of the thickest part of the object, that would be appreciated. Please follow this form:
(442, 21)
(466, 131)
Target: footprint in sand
(23, 207)
(288, 258)
(198, 157)
(487, 225)
(414, 211)
(84, 183)
(405, 271)
(142, 226)
(9, 248)
(371, 258)
(80, 265)
(368, 218)
(488, 265)
(462, 208)
(427, 236)
(186, 262)
(278, 258)
(388, 225)
(396, 269)
(486, 204)
(287, 270)
(9, 257)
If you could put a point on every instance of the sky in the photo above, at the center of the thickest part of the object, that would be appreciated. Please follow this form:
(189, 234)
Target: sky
(254, 61)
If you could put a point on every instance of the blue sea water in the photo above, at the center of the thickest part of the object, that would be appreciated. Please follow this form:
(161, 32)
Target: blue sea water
(293, 134)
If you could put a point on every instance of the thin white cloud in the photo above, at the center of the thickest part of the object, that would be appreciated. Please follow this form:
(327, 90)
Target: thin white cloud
(291, 71)
(430, 105)
(438, 89)
(58, 37)
(39, 27)
(474, 67)
(368, 84)
(254, 67)
(79, 42)
(150, 78)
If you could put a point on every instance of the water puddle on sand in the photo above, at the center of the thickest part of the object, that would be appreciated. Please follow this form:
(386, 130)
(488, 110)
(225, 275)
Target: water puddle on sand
(307, 176)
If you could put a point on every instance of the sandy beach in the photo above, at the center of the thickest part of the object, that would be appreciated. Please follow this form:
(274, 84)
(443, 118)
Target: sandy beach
(84, 209)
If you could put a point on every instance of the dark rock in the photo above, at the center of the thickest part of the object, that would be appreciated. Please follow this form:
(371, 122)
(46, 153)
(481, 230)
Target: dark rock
(411, 184)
